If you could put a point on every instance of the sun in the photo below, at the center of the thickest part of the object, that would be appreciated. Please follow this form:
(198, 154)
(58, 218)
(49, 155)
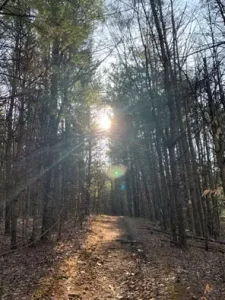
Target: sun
(105, 122)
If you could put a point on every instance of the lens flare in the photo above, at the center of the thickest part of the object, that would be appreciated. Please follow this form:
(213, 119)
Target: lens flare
(116, 171)
(123, 187)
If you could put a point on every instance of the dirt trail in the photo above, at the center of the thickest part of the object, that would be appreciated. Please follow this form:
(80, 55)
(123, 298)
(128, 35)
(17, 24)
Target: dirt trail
(111, 264)
(97, 270)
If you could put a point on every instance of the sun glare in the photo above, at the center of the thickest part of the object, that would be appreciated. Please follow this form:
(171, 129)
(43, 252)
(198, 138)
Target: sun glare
(105, 122)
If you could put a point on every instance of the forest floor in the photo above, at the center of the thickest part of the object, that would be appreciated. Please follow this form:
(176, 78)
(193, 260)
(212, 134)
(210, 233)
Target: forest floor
(113, 258)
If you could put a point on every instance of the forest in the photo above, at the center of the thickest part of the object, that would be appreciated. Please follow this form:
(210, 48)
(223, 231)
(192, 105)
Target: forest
(112, 124)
